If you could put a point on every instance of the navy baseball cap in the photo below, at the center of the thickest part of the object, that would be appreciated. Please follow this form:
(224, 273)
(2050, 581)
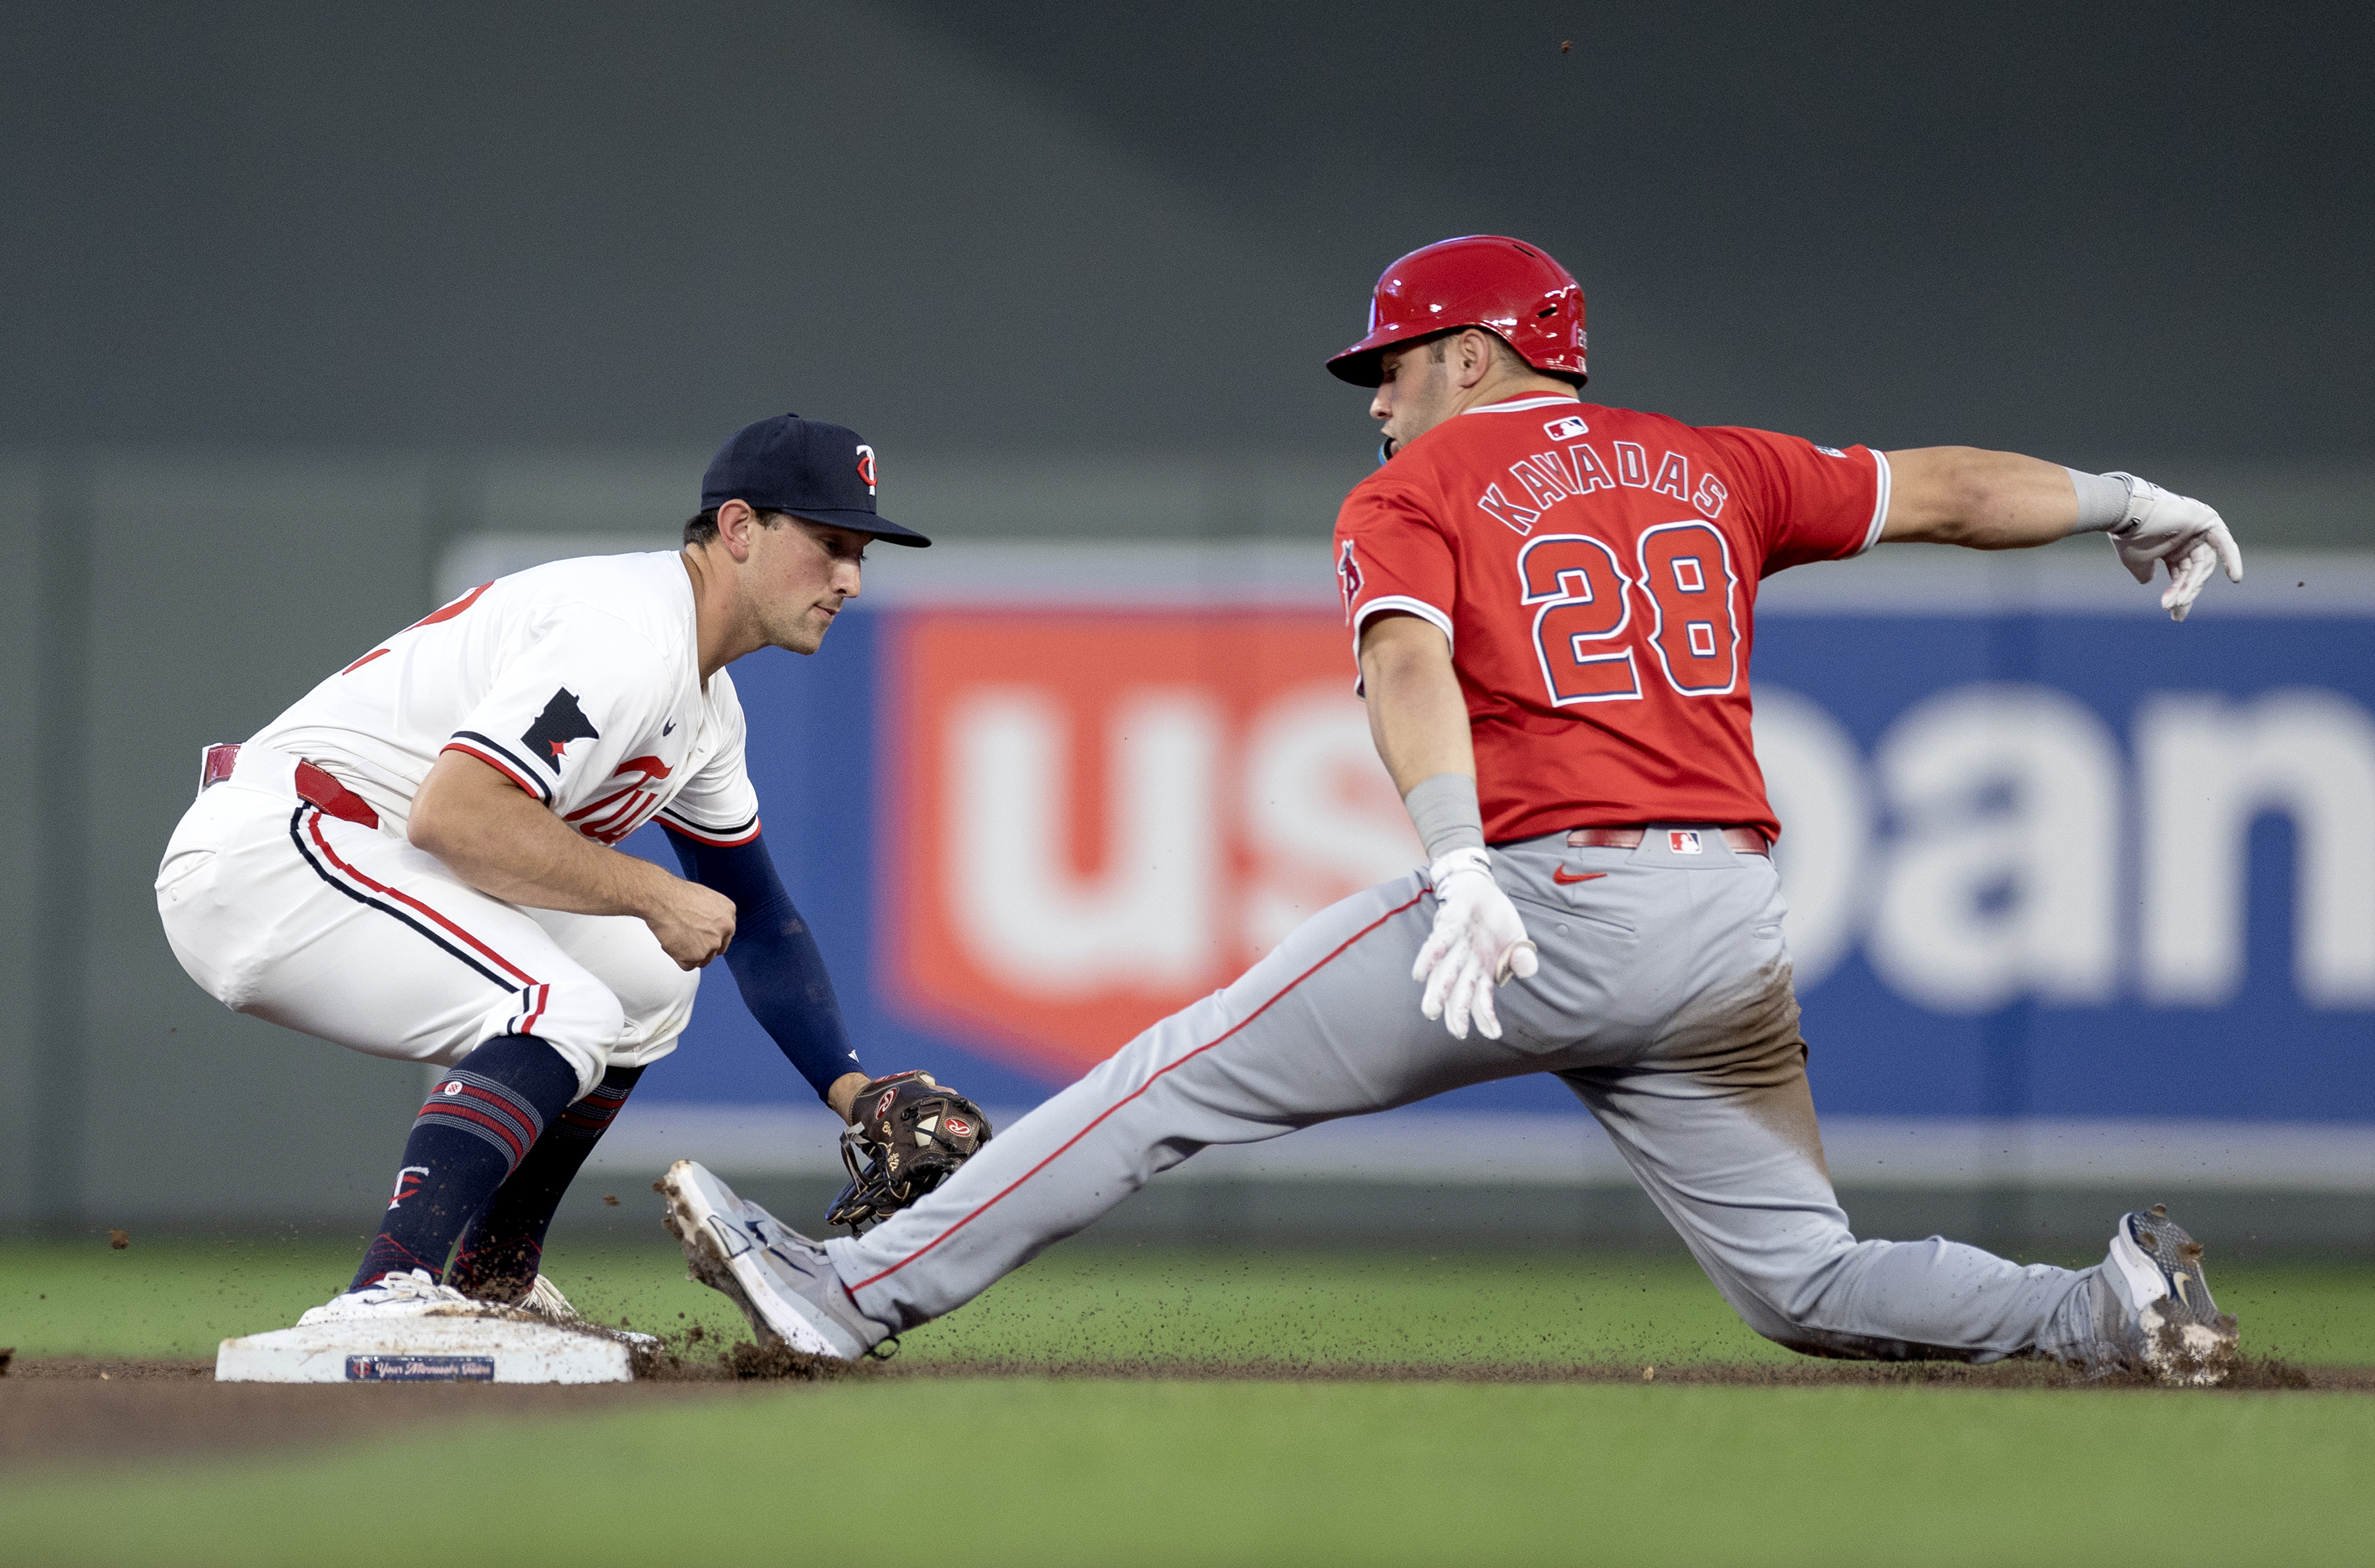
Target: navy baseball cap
(807, 467)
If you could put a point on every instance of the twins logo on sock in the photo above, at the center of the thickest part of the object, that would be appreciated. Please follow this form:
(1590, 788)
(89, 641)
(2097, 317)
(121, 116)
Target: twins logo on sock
(407, 1182)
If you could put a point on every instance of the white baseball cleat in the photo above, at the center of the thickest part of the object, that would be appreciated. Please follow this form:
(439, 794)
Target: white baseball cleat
(409, 1294)
(545, 1300)
(783, 1281)
(2170, 1328)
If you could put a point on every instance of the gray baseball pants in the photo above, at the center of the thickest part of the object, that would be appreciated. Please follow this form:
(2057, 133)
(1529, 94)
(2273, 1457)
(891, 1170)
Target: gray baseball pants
(1664, 1002)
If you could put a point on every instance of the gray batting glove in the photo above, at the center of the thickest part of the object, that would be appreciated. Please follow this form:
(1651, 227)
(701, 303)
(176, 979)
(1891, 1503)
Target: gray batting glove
(2163, 528)
(1478, 942)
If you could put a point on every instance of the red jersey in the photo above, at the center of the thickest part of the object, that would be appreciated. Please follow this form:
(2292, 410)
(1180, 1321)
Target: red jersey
(1595, 570)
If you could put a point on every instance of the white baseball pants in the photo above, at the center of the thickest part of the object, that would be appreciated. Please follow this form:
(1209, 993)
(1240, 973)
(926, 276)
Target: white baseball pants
(350, 934)
(1664, 1002)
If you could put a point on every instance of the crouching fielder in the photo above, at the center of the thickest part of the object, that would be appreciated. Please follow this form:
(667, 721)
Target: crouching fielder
(1552, 603)
(416, 860)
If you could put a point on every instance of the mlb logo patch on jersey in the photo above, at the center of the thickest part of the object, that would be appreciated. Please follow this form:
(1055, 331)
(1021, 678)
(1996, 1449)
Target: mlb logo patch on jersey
(1830, 452)
(1682, 841)
(1567, 429)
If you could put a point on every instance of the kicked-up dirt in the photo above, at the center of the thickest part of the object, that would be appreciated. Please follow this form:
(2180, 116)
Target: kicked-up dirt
(62, 1409)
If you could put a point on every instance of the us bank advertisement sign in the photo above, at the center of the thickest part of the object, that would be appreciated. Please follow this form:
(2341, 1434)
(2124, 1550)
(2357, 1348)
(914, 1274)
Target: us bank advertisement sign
(2049, 856)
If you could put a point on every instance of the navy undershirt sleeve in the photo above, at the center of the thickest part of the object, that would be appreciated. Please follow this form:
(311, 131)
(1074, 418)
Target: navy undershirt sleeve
(774, 958)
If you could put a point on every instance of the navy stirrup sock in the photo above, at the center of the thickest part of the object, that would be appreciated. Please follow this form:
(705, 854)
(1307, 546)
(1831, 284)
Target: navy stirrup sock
(504, 1245)
(478, 1125)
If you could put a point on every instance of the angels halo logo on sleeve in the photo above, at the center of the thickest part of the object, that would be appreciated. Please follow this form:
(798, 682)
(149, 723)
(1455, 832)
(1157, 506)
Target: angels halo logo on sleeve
(1348, 578)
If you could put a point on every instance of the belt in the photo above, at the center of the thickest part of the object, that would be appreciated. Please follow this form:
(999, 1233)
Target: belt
(1742, 840)
(314, 786)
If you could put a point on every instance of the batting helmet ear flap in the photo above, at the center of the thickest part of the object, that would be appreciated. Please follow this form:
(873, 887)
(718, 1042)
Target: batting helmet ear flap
(1505, 286)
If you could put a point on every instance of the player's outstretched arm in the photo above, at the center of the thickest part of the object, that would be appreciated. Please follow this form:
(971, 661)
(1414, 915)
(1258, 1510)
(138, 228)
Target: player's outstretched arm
(1420, 722)
(489, 834)
(777, 965)
(2001, 500)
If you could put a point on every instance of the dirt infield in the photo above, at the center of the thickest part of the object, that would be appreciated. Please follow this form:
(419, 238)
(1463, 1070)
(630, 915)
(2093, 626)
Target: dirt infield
(73, 1408)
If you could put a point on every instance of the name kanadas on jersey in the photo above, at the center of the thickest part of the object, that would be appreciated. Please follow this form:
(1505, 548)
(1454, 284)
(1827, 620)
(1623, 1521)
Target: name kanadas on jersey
(1594, 569)
(1549, 478)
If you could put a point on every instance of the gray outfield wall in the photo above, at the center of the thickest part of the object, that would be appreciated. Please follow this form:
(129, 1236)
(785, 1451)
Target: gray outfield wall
(161, 600)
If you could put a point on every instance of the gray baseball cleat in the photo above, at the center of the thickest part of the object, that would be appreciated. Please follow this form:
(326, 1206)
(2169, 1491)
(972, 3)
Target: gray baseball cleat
(2168, 1324)
(783, 1281)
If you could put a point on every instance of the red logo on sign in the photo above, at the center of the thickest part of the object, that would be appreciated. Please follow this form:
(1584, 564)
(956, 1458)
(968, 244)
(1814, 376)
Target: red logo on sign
(1098, 818)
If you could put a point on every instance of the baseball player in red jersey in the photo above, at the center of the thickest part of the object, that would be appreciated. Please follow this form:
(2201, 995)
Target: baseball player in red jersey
(1553, 604)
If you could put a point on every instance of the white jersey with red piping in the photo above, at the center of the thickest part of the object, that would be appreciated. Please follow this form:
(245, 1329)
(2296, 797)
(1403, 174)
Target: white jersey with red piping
(580, 681)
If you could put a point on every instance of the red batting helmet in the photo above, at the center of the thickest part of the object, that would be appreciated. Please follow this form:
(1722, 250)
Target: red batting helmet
(1489, 280)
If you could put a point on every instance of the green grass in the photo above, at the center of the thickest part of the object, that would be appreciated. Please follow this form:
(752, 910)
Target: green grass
(1099, 1471)
(1082, 1304)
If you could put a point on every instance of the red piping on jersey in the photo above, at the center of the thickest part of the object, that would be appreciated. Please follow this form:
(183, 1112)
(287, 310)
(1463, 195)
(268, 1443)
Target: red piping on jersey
(313, 827)
(359, 664)
(481, 754)
(1133, 1094)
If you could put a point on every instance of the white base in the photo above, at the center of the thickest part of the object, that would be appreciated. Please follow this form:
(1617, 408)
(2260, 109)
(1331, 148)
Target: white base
(423, 1350)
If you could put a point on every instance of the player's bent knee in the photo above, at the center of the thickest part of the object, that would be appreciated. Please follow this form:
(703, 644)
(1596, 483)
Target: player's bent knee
(661, 1005)
(653, 994)
(579, 1019)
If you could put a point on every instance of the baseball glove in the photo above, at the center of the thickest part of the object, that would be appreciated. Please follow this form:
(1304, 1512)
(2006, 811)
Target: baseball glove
(906, 1134)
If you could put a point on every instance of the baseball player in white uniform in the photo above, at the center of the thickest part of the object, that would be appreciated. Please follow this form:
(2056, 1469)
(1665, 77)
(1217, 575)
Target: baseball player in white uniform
(416, 860)
(1551, 604)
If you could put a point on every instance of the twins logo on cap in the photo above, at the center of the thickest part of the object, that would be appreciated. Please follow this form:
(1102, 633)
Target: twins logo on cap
(812, 469)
